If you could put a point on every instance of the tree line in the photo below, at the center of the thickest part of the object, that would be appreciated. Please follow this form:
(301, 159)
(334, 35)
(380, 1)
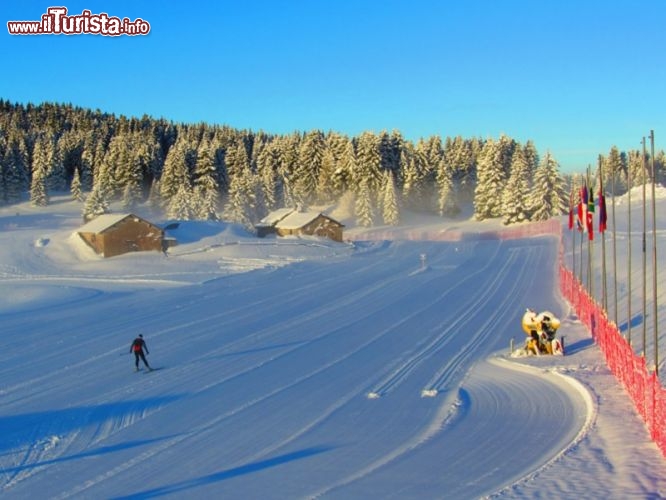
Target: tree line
(204, 171)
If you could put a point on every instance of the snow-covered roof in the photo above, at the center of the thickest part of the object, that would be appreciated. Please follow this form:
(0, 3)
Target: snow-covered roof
(275, 216)
(297, 220)
(103, 222)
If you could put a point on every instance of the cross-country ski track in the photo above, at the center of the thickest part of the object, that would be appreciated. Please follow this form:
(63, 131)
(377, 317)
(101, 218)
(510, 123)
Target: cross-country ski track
(366, 375)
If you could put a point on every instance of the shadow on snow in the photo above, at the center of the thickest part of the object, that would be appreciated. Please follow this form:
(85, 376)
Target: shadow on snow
(225, 474)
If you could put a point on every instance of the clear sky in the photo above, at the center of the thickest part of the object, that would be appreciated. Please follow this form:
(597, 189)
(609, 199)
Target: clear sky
(576, 77)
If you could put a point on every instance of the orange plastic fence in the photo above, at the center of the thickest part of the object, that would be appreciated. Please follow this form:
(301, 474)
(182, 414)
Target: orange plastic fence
(644, 387)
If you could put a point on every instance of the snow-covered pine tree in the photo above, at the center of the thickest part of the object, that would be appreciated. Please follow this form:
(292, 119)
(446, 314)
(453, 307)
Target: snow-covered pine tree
(70, 149)
(446, 195)
(459, 158)
(548, 197)
(363, 207)
(38, 193)
(267, 167)
(390, 207)
(176, 172)
(493, 164)
(288, 149)
(87, 165)
(308, 167)
(55, 174)
(180, 205)
(96, 203)
(243, 204)
(346, 167)
(516, 193)
(614, 171)
(75, 187)
(531, 157)
(40, 166)
(15, 168)
(325, 191)
(205, 184)
(410, 168)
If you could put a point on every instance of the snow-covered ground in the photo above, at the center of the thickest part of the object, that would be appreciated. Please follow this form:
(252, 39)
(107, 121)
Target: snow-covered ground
(296, 368)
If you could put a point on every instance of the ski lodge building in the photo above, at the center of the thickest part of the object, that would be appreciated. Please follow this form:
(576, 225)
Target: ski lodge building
(290, 221)
(115, 234)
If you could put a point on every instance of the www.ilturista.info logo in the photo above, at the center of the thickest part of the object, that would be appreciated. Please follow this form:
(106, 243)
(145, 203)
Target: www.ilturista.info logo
(56, 22)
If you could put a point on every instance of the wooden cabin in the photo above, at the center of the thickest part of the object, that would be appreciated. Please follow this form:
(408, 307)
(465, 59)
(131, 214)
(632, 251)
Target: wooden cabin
(289, 221)
(115, 234)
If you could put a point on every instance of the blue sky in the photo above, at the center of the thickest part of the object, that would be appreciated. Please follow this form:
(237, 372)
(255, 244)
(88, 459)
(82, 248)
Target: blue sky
(576, 77)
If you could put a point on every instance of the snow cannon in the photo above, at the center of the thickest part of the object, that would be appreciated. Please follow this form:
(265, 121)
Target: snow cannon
(541, 332)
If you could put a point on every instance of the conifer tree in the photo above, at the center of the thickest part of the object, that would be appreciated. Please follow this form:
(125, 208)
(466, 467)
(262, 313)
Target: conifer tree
(205, 184)
(614, 172)
(180, 205)
(548, 196)
(390, 208)
(55, 173)
(446, 200)
(75, 188)
(97, 203)
(308, 167)
(268, 164)
(40, 166)
(492, 174)
(326, 183)
(38, 192)
(176, 172)
(369, 161)
(516, 195)
(363, 205)
(241, 205)
(288, 150)
(346, 166)
(637, 167)
(15, 168)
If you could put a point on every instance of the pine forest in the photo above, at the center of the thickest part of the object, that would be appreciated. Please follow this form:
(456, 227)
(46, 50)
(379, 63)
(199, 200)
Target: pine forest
(208, 172)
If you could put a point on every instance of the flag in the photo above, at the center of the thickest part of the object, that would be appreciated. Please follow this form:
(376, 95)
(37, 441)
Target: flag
(590, 202)
(582, 208)
(603, 216)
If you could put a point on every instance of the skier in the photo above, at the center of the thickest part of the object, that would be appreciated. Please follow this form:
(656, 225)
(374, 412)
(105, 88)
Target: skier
(137, 347)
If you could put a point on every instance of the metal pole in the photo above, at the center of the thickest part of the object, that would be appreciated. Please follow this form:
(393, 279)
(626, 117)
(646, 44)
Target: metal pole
(654, 258)
(590, 276)
(629, 183)
(604, 289)
(573, 229)
(644, 250)
(614, 240)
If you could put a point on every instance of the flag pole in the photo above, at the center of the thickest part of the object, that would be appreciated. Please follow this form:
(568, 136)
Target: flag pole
(644, 250)
(590, 236)
(581, 223)
(602, 230)
(654, 258)
(629, 184)
(614, 240)
(572, 225)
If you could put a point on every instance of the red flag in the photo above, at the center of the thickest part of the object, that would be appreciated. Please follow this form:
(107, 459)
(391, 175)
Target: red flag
(582, 208)
(590, 228)
(603, 216)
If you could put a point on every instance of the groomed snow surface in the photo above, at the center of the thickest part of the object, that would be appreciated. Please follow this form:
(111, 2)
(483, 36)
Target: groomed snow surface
(299, 368)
